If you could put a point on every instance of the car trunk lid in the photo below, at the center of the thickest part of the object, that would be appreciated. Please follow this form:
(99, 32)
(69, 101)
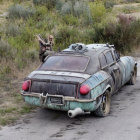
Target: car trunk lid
(56, 83)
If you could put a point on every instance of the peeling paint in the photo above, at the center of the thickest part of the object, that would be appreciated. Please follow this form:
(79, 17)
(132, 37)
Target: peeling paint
(68, 105)
(67, 84)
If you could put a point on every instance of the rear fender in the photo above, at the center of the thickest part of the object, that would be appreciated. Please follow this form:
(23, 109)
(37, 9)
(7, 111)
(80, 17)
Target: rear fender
(100, 90)
(98, 83)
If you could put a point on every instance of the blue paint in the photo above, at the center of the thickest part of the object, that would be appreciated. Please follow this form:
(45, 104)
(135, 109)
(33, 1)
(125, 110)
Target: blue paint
(96, 79)
(127, 68)
(68, 105)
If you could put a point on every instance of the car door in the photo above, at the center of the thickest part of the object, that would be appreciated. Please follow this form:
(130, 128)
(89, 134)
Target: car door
(121, 66)
(109, 65)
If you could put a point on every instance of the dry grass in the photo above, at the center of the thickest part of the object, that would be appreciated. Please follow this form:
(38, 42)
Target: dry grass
(4, 5)
(130, 9)
(12, 105)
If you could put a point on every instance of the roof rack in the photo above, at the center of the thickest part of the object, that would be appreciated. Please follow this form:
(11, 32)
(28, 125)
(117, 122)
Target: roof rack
(77, 48)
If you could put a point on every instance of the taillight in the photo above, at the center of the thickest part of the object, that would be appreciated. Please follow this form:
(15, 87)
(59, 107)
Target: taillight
(84, 89)
(26, 85)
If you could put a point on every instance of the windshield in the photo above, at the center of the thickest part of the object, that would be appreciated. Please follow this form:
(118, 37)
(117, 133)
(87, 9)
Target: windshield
(66, 63)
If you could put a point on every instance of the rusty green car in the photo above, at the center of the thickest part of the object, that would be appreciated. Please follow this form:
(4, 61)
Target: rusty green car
(79, 79)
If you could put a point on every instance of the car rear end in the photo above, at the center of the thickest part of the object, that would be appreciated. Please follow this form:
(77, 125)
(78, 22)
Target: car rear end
(57, 84)
(59, 90)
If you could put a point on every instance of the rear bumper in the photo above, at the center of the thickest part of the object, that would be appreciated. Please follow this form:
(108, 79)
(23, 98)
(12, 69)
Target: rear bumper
(69, 103)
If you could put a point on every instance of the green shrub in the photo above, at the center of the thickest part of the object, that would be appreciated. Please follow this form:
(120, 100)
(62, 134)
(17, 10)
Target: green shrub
(130, 9)
(49, 23)
(98, 33)
(98, 10)
(41, 12)
(89, 35)
(81, 8)
(48, 3)
(21, 61)
(32, 54)
(19, 1)
(125, 34)
(12, 30)
(6, 51)
(66, 36)
(129, 1)
(70, 20)
(76, 8)
(67, 8)
(109, 3)
(59, 4)
(18, 11)
(4, 70)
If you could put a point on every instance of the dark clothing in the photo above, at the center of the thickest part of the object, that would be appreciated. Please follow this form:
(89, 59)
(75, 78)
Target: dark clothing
(44, 50)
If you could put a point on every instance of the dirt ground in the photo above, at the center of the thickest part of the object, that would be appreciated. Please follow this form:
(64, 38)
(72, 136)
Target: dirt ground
(123, 122)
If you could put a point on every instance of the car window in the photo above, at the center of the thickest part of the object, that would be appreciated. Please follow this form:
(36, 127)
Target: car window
(109, 57)
(66, 63)
(102, 60)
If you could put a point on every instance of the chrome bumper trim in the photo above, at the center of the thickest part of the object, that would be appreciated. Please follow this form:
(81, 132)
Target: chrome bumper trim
(66, 98)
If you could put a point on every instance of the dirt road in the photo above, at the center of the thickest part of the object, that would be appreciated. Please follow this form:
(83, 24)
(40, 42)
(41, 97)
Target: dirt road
(123, 122)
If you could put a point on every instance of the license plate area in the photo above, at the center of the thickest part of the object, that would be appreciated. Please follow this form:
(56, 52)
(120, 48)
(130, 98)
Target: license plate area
(57, 100)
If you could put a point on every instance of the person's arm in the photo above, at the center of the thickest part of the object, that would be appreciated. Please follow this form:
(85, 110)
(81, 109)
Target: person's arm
(40, 39)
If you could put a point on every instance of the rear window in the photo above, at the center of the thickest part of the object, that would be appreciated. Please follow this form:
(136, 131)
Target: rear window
(66, 63)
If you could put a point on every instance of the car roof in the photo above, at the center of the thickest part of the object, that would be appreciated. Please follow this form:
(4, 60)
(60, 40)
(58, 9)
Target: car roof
(91, 50)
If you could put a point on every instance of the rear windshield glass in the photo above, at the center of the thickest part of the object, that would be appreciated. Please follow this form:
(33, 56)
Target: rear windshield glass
(65, 63)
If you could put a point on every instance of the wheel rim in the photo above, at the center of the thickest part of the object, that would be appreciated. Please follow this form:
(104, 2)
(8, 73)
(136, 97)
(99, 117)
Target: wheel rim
(106, 103)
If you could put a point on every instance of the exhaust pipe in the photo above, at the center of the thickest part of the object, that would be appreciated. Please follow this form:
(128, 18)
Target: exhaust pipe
(75, 112)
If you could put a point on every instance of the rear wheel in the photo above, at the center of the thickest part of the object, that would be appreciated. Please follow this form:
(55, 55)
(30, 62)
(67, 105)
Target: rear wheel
(104, 107)
(133, 78)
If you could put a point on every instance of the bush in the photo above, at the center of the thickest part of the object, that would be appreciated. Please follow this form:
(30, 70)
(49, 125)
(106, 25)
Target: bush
(130, 9)
(32, 54)
(4, 70)
(67, 35)
(18, 11)
(76, 8)
(20, 62)
(89, 35)
(59, 4)
(129, 1)
(6, 51)
(12, 30)
(109, 3)
(125, 34)
(70, 20)
(81, 8)
(67, 8)
(48, 3)
(98, 11)
(40, 13)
